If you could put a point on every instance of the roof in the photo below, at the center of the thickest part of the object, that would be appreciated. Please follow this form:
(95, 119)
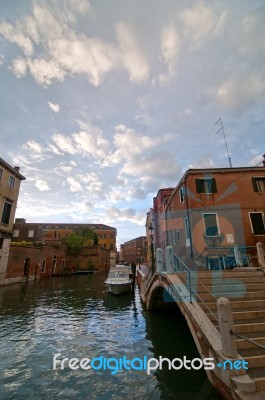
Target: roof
(13, 170)
(56, 225)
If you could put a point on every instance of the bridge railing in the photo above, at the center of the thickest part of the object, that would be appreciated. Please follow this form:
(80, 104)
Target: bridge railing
(230, 257)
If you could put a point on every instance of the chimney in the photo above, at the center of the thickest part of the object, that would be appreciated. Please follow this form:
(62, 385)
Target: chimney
(16, 168)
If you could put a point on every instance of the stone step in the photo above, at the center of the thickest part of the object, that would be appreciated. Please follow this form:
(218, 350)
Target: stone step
(250, 316)
(230, 280)
(243, 344)
(257, 351)
(216, 288)
(247, 327)
(255, 361)
(237, 305)
(259, 295)
(260, 384)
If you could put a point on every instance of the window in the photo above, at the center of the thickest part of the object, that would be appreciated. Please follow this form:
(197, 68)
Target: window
(43, 266)
(206, 185)
(181, 194)
(211, 225)
(31, 233)
(257, 223)
(6, 212)
(11, 182)
(1, 173)
(178, 235)
(259, 184)
(15, 233)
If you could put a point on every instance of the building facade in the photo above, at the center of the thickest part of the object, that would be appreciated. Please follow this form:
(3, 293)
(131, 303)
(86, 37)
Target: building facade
(212, 211)
(10, 180)
(135, 250)
(159, 216)
(46, 232)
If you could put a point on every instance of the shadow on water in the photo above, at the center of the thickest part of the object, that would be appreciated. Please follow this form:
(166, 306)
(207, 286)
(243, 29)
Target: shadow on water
(171, 338)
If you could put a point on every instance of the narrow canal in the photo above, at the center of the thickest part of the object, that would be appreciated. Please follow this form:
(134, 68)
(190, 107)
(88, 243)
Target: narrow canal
(77, 318)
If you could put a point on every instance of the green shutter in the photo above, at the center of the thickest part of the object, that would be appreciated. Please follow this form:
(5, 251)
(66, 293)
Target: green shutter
(255, 186)
(199, 185)
(214, 188)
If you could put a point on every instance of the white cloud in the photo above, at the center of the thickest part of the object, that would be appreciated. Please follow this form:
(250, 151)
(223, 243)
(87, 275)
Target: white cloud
(238, 92)
(197, 22)
(158, 164)
(64, 143)
(170, 48)
(132, 57)
(54, 107)
(15, 35)
(19, 67)
(42, 185)
(33, 146)
(74, 185)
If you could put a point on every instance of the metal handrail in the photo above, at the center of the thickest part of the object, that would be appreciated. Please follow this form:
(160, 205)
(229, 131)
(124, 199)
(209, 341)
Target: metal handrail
(187, 270)
(247, 339)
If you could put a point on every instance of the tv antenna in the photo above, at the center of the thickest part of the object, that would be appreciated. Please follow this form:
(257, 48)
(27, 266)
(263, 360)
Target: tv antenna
(222, 129)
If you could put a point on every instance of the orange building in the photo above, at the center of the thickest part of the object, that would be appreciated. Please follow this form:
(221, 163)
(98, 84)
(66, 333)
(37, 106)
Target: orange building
(212, 213)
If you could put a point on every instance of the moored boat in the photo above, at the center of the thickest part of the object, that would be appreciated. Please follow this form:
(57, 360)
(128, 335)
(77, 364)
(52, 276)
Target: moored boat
(119, 281)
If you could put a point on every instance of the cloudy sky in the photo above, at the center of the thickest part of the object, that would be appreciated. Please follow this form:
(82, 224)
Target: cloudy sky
(103, 102)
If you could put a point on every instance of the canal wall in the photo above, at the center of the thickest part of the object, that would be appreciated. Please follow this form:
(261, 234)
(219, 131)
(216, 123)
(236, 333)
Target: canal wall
(53, 259)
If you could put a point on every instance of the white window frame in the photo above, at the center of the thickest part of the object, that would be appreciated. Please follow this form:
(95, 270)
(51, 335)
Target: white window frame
(260, 178)
(181, 195)
(16, 233)
(217, 224)
(252, 230)
(11, 182)
(187, 231)
(31, 233)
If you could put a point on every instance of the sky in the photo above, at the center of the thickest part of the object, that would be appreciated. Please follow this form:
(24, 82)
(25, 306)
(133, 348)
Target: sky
(104, 102)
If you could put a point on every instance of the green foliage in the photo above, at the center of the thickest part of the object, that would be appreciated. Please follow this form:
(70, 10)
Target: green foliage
(23, 244)
(74, 243)
(95, 239)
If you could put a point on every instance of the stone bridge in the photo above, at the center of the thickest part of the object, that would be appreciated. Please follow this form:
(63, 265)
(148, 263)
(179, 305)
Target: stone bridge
(225, 312)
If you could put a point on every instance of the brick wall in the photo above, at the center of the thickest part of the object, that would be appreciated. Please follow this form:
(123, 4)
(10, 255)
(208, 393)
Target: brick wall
(54, 259)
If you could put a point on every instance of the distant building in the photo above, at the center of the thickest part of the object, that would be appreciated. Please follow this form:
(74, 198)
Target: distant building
(159, 209)
(135, 250)
(52, 232)
(39, 232)
(10, 180)
(210, 212)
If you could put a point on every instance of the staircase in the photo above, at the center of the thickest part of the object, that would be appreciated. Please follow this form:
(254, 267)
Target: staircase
(246, 292)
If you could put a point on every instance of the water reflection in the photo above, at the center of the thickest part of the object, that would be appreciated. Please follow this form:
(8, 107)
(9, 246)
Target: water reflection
(171, 338)
(75, 316)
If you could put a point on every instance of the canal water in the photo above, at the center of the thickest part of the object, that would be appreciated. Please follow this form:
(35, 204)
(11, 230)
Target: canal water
(77, 318)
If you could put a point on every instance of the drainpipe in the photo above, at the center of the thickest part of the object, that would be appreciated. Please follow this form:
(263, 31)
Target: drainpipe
(188, 215)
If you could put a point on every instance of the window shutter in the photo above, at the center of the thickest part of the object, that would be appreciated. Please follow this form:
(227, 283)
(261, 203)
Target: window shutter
(199, 185)
(255, 186)
(214, 187)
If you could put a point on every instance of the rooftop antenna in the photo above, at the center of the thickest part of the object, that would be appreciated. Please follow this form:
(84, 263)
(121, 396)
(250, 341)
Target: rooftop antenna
(222, 129)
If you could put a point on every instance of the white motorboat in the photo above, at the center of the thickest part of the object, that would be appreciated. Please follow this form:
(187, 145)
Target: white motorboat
(119, 280)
